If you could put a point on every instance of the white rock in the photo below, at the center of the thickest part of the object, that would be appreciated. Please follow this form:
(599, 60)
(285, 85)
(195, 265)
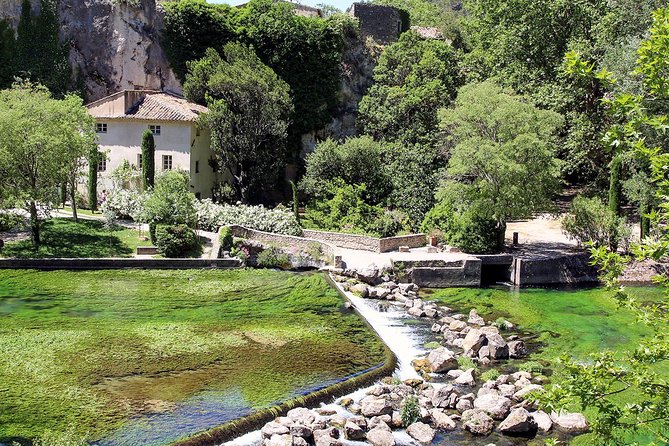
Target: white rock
(544, 422)
(519, 421)
(442, 360)
(496, 406)
(273, 428)
(441, 420)
(477, 422)
(421, 432)
(466, 378)
(380, 437)
(572, 423)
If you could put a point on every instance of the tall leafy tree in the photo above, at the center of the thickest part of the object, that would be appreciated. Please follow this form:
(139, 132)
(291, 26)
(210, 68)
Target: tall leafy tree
(249, 114)
(413, 79)
(41, 138)
(148, 160)
(502, 157)
(93, 160)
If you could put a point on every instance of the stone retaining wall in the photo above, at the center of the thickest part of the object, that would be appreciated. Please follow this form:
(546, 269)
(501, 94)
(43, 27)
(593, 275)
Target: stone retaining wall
(303, 243)
(365, 242)
(83, 264)
(468, 274)
(567, 269)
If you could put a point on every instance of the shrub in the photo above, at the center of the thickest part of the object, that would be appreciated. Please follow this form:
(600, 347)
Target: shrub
(124, 203)
(502, 324)
(10, 220)
(589, 220)
(225, 238)
(171, 202)
(273, 257)
(211, 216)
(465, 363)
(410, 411)
(175, 240)
(490, 375)
(463, 229)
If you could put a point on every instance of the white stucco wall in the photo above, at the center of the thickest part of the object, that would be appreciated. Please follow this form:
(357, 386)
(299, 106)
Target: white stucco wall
(178, 139)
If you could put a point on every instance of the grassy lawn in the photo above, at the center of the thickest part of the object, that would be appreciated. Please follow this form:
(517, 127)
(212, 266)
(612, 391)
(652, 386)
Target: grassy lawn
(577, 322)
(87, 351)
(63, 237)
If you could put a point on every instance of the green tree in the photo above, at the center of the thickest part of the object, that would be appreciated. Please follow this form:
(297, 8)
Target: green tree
(354, 161)
(629, 392)
(171, 202)
(414, 78)
(615, 185)
(41, 138)
(249, 112)
(148, 160)
(39, 54)
(93, 160)
(7, 44)
(502, 154)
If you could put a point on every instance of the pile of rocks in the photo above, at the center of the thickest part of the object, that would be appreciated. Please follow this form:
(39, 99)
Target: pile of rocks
(500, 403)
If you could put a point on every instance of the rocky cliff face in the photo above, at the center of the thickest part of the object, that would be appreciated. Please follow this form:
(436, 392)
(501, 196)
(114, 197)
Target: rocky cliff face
(113, 46)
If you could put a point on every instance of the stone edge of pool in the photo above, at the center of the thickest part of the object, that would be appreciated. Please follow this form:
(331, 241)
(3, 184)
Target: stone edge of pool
(256, 420)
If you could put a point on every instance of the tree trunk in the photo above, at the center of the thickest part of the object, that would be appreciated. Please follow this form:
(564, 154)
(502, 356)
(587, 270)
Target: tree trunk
(73, 198)
(34, 225)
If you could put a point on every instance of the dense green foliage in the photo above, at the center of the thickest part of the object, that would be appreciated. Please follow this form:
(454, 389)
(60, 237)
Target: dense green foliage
(35, 53)
(431, 13)
(148, 160)
(591, 221)
(354, 161)
(628, 390)
(305, 52)
(413, 79)
(615, 184)
(502, 163)
(225, 238)
(249, 112)
(147, 340)
(171, 202)
(175, 240)
(43, 142)
(273, 257)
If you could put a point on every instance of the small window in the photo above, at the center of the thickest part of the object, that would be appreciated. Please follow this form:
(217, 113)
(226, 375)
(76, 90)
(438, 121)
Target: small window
(155, 129)
(101, 127)
(139, 161)
(102, 165)
(167, 162)
(197, 166)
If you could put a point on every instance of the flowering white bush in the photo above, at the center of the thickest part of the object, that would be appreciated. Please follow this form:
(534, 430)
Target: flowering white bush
(123, 203)
(279, 220)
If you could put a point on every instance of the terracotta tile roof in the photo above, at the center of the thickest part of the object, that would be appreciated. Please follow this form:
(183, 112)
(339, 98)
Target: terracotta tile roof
(147, 106)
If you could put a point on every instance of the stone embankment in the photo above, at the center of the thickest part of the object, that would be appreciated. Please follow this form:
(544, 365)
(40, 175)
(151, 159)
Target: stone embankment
(446, 398)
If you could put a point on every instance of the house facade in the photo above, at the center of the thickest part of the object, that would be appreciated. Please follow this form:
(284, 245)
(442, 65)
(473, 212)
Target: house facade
(122, 118)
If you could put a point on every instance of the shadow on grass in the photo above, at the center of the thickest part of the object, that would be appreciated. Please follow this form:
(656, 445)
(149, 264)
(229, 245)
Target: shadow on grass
(63, 237)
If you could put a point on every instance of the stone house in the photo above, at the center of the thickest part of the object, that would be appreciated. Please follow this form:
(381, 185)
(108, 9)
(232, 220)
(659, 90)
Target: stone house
(122, 118)
(384, 24)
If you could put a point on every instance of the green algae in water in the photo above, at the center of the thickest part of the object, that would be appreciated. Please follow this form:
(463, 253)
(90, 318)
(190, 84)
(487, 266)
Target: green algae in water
(91, 350)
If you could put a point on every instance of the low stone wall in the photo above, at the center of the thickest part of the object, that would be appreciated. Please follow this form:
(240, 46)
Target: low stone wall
(84, 264)
(270, 238)
(365, 242)
(468, 274)
(567, 269)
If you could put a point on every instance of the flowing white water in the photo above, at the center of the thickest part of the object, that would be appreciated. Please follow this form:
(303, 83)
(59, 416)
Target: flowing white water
(398, 336)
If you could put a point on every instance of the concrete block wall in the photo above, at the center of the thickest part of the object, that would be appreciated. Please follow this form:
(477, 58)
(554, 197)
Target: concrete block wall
(365, 242)
(285, 241)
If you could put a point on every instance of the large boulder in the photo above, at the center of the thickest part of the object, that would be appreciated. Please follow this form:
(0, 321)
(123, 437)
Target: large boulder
(571, 423)
(457, 325)
(466, 378)
(441, 420)
(279, 440)
(526, 390)
(441, 397)
(474, 340)
(519, 421)
(353, 431)
(543, 420)
(475, 319)
(372, 406)
(302, 415)
(298, 430)
(477, 422)
(494, 405)
(360, 289)
(273, 428)
(517, 349)
(421, 432)
(380, 437)
(497, 345)
(442, 360)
